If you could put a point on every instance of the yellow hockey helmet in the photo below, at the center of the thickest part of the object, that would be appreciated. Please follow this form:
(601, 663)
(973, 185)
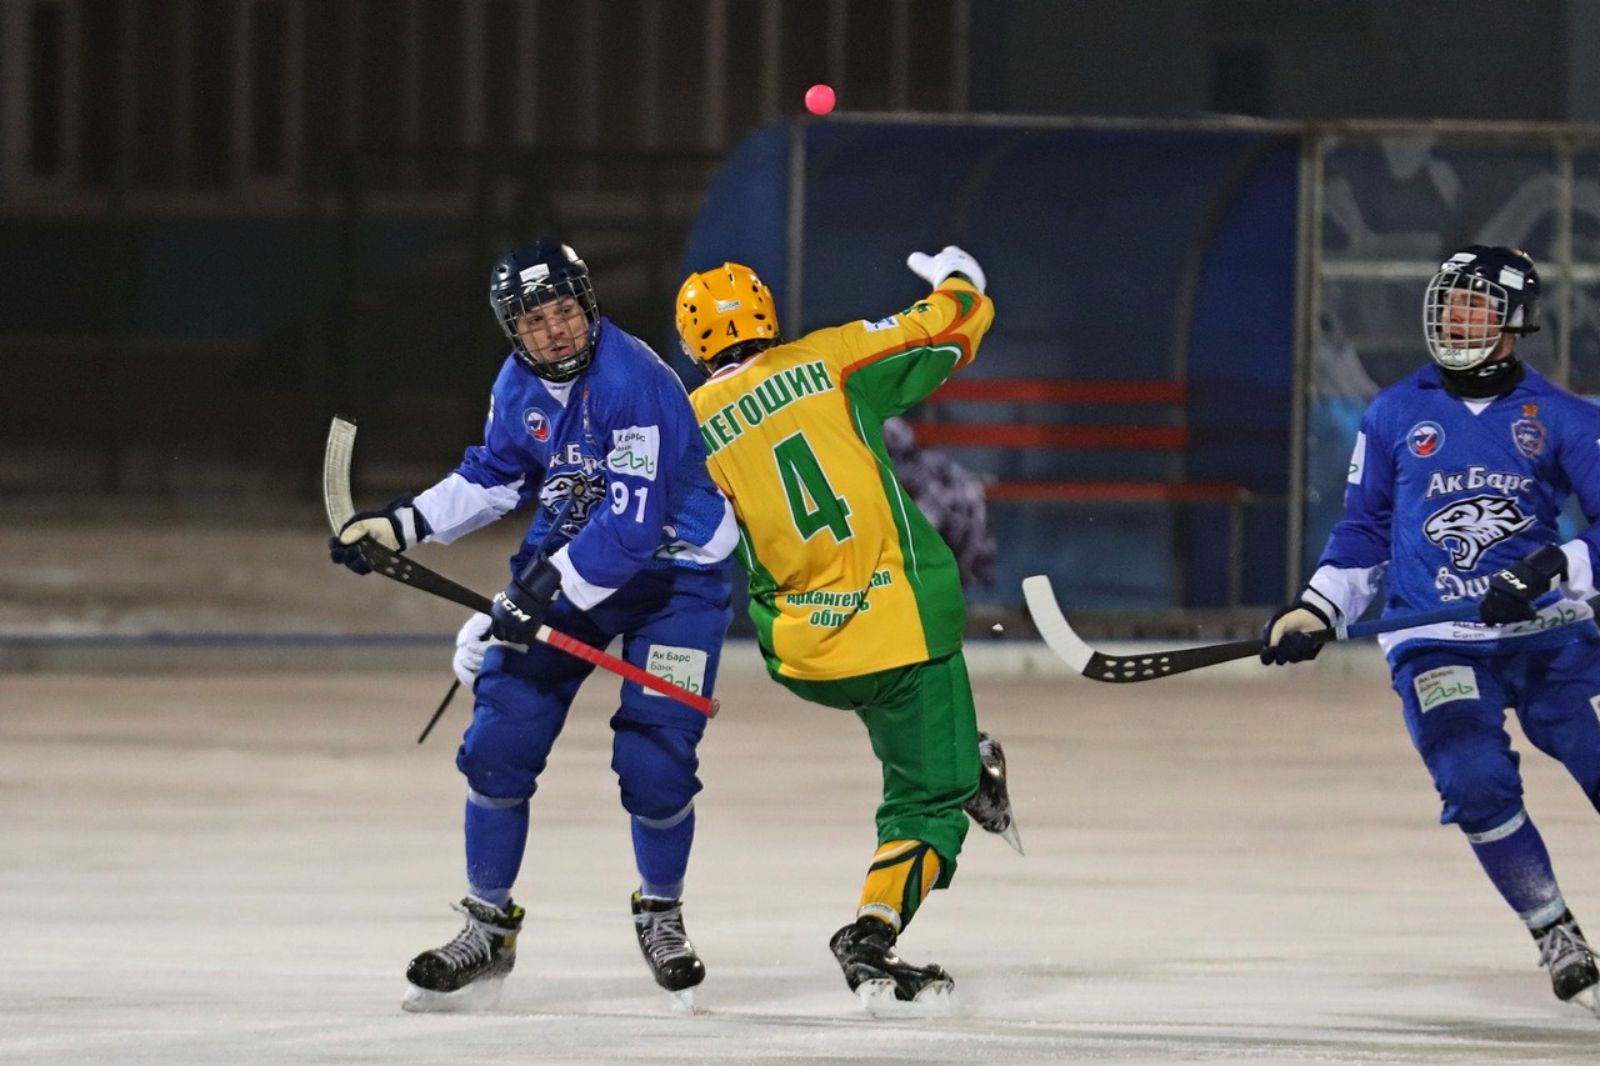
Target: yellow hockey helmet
(720, 308)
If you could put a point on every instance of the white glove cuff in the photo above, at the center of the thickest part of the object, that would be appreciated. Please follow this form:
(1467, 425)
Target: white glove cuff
(1329, 609)
(405, 520)
(1580, 569)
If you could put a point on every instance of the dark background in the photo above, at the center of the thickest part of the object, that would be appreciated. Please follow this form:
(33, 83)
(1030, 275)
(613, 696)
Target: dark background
(223, 220)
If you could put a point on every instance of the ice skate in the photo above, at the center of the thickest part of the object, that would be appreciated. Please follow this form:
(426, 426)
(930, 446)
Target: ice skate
(890, 987)
(467, 973)
(991, 806)
(1570, 960)
(666, 948)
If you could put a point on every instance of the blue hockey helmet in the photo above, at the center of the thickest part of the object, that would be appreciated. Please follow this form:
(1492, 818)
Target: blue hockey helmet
(1479, 294)
(532, 277)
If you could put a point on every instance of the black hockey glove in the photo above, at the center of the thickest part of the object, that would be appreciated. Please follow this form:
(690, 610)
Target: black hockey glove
(398, 526)
(1294, 645)
(519, 610)
(1513, 590)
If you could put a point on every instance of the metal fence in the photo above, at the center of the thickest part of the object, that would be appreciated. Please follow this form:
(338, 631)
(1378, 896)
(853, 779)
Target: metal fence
(228, 104)
(176, 338)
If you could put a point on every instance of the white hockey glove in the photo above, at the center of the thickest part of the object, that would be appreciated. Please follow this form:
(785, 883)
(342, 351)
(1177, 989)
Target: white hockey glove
(935, 268)
(471, 643)
(397, 526)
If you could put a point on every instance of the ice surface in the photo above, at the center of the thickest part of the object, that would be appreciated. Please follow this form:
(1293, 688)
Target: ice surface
(236, 869)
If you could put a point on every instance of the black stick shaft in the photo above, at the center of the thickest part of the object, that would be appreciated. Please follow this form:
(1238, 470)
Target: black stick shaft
(448, 696)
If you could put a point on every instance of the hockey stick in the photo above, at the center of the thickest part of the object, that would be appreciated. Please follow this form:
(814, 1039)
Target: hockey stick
(393, 565)
(336, 456)
(1147, 666)
(449, 695)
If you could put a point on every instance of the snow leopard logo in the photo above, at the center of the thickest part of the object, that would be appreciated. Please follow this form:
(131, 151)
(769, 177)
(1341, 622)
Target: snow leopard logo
(1474, 525)
(582, 491)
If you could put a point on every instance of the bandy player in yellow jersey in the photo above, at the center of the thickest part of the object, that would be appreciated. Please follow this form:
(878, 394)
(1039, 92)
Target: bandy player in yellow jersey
(856, 600)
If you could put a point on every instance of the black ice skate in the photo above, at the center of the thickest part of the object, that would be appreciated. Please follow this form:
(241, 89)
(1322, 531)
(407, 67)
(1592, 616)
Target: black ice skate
(666, 947)
(1570, 960)
(991, 806)
(467, 973)
(887, 984)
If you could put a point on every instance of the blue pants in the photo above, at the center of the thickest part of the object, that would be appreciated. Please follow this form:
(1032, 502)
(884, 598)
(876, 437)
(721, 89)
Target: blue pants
(1455, 708)
(677, 616)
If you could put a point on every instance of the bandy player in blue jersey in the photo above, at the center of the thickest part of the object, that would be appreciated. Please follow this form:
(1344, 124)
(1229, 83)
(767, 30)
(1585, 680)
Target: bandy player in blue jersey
(629, 538)
(1458, 475)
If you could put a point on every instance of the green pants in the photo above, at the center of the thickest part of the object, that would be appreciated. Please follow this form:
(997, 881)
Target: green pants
(924, 731)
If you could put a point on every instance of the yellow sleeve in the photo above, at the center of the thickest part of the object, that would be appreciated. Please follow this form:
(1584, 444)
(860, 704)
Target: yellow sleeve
(896, 362)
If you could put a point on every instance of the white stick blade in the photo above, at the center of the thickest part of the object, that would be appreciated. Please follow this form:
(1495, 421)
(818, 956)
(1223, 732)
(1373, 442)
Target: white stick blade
(1052, 624)
(336, 458)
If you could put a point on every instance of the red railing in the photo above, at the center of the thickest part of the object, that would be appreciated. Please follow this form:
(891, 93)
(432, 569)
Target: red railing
(933, 431)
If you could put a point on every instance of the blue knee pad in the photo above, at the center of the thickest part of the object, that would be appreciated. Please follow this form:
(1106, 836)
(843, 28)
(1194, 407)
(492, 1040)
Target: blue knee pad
(1476, 775)
(656, 766)
(1455, 711)
(515, 723)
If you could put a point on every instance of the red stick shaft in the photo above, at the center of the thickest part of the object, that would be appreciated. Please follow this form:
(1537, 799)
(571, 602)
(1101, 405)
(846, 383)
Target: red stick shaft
(625, 669)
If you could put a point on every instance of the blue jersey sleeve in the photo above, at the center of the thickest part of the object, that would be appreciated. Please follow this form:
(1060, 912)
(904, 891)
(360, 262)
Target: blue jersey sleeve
(1580, 463)
(649, 433)
(1358, 548)
(490, 482)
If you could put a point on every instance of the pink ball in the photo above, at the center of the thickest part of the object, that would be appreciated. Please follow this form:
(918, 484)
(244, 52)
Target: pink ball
(819, 99)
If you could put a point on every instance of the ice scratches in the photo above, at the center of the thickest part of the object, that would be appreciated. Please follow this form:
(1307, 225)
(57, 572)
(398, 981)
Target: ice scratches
(739, 1035)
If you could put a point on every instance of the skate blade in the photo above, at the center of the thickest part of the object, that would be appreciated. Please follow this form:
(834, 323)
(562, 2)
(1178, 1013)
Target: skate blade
(1010, 835)
(1588, 999)
(683, 1001)
(480, 995)
(937, 1000)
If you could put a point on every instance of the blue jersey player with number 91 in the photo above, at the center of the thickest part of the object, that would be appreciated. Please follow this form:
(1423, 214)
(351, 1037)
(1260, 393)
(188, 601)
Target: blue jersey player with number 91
(1459, 473)
(629, 538)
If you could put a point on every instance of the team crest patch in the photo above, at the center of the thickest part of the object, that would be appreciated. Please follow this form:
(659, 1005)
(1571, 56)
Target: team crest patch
(1468, 528)
(684, 667)
(570, 496)
(1425, 439)
(1529, 435)
(538, 425)
(1446, 684)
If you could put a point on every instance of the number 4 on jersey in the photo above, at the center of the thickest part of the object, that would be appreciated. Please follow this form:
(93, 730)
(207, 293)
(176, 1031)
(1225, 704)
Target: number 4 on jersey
(811, 499)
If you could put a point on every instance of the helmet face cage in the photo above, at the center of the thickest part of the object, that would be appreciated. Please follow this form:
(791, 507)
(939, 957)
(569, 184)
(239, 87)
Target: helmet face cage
(535, 277)
(1478, 296)
(723, 308)
(1463, 318)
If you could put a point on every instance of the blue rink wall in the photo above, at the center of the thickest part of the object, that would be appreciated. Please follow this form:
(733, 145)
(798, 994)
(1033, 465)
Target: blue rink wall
(1111, 254)
(1117, 254)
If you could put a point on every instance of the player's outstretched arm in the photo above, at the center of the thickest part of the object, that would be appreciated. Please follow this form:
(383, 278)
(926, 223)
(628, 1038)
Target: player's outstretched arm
(896, 362)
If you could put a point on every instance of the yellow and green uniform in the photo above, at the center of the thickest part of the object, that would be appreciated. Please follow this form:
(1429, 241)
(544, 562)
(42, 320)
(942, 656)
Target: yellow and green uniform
(846, 575)
(855, 597)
